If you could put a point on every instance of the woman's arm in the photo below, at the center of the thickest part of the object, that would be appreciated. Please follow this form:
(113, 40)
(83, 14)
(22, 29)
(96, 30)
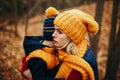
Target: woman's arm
(38, 68)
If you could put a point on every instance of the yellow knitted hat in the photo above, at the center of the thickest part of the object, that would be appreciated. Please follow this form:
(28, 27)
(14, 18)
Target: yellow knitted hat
(51, 11)
(76, 23)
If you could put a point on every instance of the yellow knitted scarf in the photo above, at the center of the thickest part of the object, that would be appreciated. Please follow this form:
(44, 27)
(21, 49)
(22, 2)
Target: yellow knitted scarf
(47, 54)
(70, 62)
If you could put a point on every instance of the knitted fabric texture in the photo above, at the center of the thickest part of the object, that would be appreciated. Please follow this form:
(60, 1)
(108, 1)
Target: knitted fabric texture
(84, 62)
(75, 24)
(75, 62)
(46, 54)
(51, 11)
(48, 27)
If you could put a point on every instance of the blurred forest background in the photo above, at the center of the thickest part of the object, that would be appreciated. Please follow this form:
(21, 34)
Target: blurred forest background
(25, 17)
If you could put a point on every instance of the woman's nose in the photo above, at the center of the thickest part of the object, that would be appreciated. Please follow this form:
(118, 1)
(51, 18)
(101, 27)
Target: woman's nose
(53, 35)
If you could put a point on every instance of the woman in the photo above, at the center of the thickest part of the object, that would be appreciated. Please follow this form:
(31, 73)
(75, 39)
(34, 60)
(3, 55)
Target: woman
(78, 60)
(40, 57)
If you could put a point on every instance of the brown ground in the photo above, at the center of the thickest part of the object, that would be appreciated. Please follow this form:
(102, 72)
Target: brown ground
(11, 49)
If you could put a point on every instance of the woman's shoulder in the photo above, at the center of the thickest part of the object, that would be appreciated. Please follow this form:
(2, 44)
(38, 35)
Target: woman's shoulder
(32, 43)
(90, 57)
(89, 53)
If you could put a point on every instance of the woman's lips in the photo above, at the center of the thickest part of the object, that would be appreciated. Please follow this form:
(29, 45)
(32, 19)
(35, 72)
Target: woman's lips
(54, 41)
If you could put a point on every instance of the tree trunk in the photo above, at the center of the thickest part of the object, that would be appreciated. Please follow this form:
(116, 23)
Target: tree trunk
(29, 13)
(15, 17)
(98, 17)
(114, 51)
(27, 18)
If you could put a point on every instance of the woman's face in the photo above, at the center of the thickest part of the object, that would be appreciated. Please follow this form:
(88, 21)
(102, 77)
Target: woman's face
(59, 38)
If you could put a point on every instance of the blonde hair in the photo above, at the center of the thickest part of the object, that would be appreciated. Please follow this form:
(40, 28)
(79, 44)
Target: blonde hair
(71, 48)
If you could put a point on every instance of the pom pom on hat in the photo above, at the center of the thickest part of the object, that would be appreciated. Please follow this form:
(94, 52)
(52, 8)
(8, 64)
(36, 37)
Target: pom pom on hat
(51, 11)
(76, 24)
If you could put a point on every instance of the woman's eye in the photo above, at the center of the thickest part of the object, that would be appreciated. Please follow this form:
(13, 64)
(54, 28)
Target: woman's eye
(60, 32)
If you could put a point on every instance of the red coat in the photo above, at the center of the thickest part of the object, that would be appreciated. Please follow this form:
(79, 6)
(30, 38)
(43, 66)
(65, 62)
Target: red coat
(74, 75)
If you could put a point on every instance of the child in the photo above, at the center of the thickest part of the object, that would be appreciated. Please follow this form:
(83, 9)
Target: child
(40, 57)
